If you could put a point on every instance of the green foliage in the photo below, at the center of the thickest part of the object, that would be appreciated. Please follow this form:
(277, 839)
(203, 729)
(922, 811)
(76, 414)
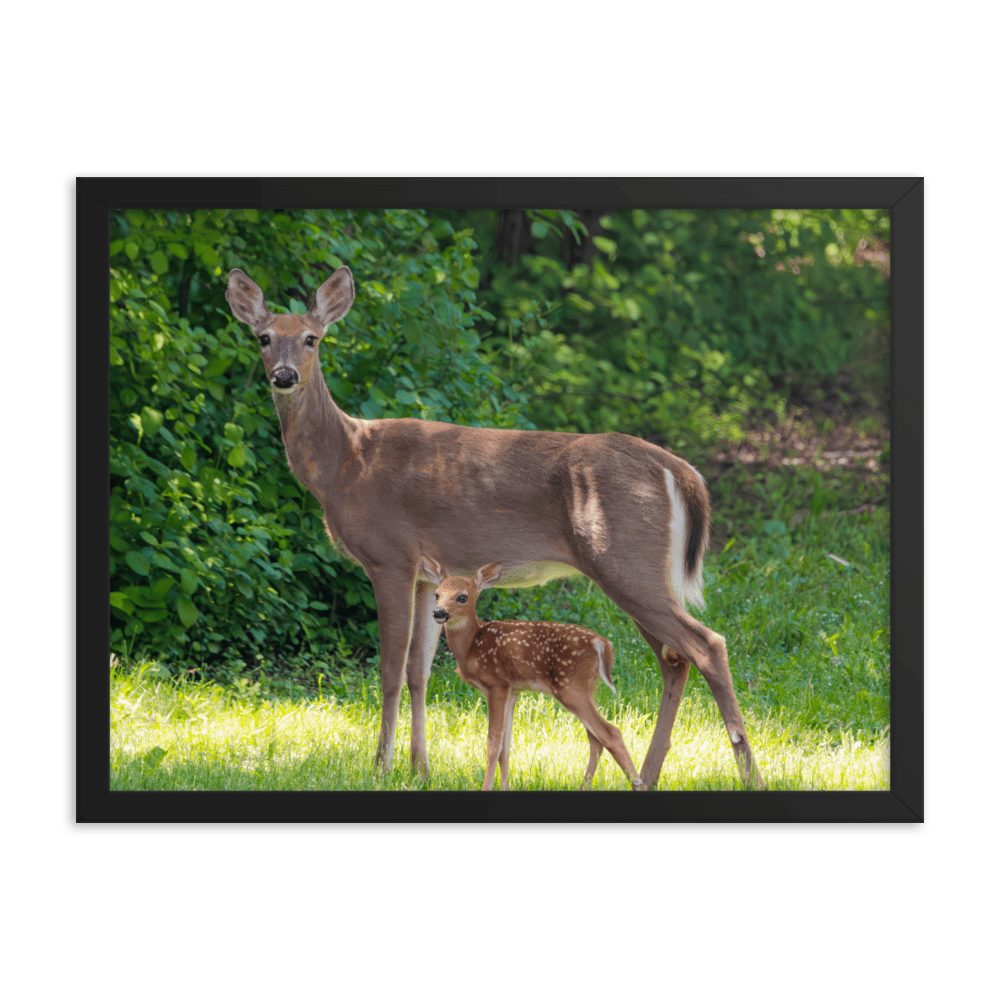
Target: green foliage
(218, 555)
(682, 320)
(676, 329)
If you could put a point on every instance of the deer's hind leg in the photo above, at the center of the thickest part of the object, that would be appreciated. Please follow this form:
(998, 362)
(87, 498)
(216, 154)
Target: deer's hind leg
(684, 639)
(674, 670)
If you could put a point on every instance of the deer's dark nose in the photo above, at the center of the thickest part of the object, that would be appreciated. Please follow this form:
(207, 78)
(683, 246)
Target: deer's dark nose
(284, 378)
(440, 615)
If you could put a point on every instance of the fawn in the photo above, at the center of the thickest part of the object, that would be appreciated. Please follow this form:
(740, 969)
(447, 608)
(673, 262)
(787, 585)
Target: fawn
(503, 658)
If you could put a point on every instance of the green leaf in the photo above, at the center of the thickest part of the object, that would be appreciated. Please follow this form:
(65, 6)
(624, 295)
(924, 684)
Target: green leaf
(216, 366)
(539, 230)
(186, 611)
(233, 433)
(188, 457)
(159, 262)
(138, 563)
(209, 257)
(160, 589)
(189, 582)
(120, 601)
(147, 537)
(237, 456)
(178, 250)
(152, 420)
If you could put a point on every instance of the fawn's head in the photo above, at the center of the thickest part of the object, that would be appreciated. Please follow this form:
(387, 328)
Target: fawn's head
(455, 599)
(289, 344)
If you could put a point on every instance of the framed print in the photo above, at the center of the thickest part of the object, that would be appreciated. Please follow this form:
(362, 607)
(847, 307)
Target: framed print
(425, 492)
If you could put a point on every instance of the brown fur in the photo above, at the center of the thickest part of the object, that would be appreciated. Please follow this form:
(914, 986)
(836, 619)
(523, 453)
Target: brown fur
(504, 658)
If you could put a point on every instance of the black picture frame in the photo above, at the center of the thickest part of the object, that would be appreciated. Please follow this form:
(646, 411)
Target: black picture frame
(903, 802)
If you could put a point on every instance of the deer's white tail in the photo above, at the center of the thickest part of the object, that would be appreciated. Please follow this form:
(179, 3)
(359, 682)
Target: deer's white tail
(603, 664)
(689, 527)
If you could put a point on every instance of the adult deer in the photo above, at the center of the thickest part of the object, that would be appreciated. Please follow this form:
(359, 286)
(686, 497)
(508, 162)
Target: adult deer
(629, 515)
(504, 658)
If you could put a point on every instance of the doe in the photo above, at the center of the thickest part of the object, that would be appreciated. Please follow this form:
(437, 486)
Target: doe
(504, 658)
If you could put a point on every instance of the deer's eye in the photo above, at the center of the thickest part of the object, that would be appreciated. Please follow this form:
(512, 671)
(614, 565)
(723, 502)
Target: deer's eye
(462, 598)
(310, 341)
(264, 340)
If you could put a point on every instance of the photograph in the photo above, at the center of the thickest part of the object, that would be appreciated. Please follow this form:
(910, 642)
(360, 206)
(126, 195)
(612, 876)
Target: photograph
(409, 504)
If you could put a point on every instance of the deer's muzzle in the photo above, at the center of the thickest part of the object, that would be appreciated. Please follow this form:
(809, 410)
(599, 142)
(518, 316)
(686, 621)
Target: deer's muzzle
(440, 615)
(284, 378)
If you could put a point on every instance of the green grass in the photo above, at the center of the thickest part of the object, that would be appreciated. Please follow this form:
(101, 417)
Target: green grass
(808, 646)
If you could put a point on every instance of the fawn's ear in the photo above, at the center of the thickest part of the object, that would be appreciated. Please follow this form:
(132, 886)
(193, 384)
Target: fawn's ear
(432, 569)
(487, 576)
(333, 298)
(247, 301)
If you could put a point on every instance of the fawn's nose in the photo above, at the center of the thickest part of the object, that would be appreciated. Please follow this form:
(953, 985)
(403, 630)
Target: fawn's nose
(284, 377)
(440, 615)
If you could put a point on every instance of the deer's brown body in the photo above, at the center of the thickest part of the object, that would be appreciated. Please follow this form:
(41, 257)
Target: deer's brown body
(506, 657)
(629, 515)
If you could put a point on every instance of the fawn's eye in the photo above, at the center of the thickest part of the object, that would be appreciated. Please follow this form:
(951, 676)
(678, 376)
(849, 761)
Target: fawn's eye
(310, 341)
(462, 598)
(436, 597)
(264, 340)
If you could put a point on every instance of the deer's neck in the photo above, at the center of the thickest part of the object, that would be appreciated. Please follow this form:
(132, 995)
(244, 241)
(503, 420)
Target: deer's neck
(316, 432)
(461, 637)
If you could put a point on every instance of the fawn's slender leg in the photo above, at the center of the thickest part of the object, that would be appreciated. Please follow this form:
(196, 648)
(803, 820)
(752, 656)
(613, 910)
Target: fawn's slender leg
(596, 749)
(394, 600)
(496, 706)
(508, 727)
(581, 704)
(423, 643)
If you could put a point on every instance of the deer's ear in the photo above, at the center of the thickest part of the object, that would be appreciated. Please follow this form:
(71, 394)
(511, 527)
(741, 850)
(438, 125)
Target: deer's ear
(487, 576)
(247, 301)
(333, 298)
(432, 569)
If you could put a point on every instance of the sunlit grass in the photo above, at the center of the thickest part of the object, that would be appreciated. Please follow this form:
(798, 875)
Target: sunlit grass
(808, 646)
(222, 739)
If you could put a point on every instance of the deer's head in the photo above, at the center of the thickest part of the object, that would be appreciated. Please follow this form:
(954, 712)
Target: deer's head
(289, 344)
(455, 600)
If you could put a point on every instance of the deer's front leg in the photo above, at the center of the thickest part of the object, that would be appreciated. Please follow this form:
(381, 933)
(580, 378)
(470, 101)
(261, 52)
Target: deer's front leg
(394, 600)
(423, 643)
(496, 706)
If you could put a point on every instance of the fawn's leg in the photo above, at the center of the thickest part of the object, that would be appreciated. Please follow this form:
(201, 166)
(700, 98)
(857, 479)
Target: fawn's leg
(508, 726)
(496, 706)
(596, 749)
(581, 704)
